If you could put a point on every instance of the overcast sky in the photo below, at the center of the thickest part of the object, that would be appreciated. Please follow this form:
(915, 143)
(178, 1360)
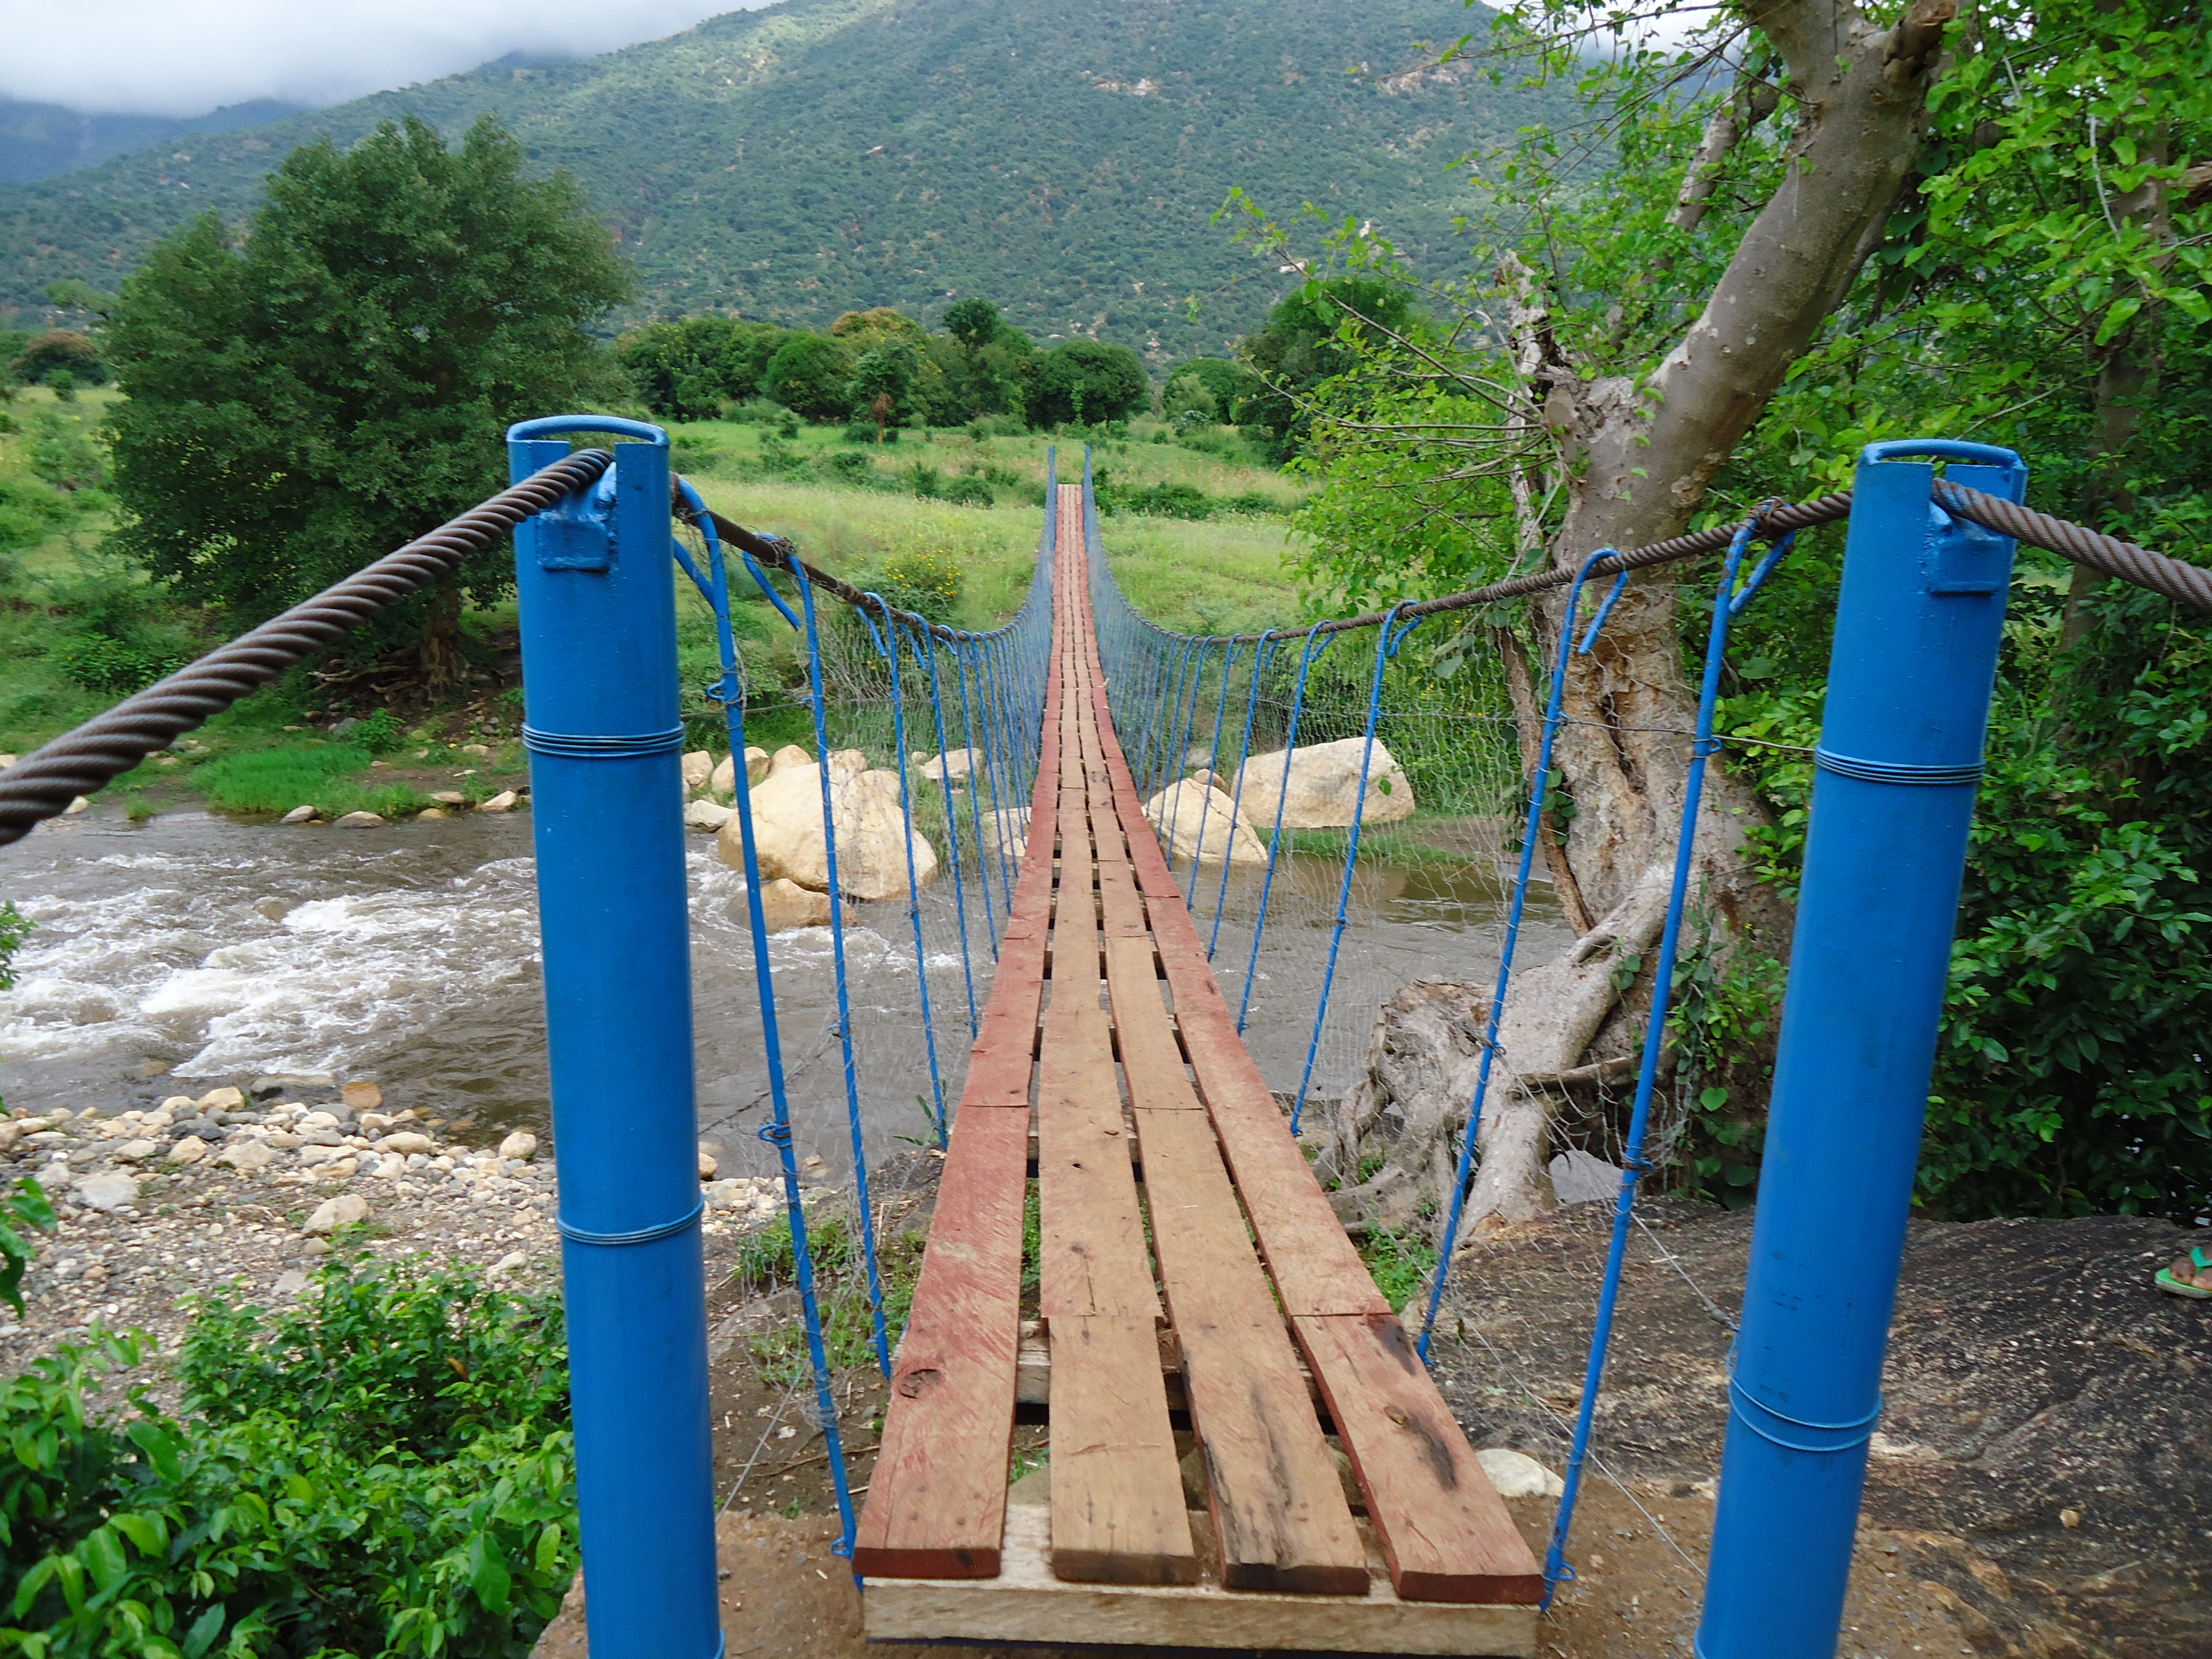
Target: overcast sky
(187, 57)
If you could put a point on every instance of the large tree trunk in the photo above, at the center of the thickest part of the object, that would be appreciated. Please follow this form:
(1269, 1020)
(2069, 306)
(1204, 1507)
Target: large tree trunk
(1641, 456)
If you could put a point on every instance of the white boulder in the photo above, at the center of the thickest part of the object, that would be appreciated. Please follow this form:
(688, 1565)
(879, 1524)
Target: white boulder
(786, 905)
(521, 1144)
(725, 779)
(784, 758)
(106, 1190)
(1005, 831)
(358, 820)
(1318, 786)
(1516, 1474)
(503, 802)
(1199, 823)
(954, 766)
(332, 1213)
(707, 814)
(298, 814)
(698, 766)
(873, 842)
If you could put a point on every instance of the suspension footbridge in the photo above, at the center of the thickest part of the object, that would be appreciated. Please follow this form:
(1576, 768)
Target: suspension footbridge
(1246, 1446)
(1106, 1030)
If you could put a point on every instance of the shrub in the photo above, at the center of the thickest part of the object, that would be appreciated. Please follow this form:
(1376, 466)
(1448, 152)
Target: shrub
(381, 732)
(809, 375)
(925, 581)
(117, 667)
(61, 351)
(385, 1471)
(971, 491)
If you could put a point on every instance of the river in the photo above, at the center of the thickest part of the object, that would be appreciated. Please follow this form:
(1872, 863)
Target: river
(193, 950)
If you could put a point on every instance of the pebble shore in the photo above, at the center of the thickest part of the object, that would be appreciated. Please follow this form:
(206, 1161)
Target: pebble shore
(241, 1188)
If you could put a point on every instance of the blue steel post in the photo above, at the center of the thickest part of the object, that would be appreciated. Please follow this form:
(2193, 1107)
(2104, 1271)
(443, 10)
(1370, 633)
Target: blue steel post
(1917, 628)
(602, 725)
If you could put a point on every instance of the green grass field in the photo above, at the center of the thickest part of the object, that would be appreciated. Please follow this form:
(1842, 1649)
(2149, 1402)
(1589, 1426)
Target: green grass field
(849, 516)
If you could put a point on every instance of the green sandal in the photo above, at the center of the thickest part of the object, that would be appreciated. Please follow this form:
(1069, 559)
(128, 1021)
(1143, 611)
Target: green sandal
(2190, 1275)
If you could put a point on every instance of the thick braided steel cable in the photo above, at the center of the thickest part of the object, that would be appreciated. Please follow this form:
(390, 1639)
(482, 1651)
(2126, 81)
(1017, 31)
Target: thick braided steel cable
(2161, 573)
(43, 783)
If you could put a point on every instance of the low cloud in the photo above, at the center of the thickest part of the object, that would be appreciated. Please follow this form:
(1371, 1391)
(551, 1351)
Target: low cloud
(186, 57)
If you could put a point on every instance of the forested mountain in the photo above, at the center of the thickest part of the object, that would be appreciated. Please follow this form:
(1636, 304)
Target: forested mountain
(37, 140)
(822, 155)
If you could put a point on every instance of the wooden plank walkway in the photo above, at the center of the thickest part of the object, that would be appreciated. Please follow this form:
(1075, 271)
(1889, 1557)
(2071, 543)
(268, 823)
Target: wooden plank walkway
(1169, 1193)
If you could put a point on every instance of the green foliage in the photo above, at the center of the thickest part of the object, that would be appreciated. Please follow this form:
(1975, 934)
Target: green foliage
(1081, 381)
(766, 1261)
(277, 779)
(64, 456)
(925, 580)
(24, 1209)
(60, 351)
(1401, 1263)
(308, 399)
(385, 1471)
(1312, 336)
(381, 732)
(811, 375)
(687, 370)
(884, 379)
(115, 667)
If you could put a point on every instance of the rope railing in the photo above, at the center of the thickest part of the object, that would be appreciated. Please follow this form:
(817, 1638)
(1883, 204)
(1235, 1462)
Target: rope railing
(43, 783)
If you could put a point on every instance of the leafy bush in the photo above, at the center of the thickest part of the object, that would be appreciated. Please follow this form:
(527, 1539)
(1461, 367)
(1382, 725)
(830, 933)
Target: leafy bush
(971, 491)
(385, 1471)
(381, 732)
(849, 468)
(61, 351)
(925, 581)
(98, 662)
(809, 375)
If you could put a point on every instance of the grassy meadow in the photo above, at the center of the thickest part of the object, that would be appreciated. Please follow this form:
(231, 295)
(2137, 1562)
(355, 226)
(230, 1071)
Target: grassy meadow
(80, 629)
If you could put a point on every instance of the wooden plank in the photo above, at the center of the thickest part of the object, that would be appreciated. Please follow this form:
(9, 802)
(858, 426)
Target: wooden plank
(1027, 1604)
(1278, 1509)
(937, 1500)
(1117, 1513)
(1033, 1366)
(1091, 1258)
(1444, 1530)
(1151, 1058)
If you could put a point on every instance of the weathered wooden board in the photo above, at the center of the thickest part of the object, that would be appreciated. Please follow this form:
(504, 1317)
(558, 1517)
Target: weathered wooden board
(1092, 1258)
(1444, 1530)
(937, 1500)
(1279, 1511)
(1117, 1511)
(1151, 1057)
(1026, 1603)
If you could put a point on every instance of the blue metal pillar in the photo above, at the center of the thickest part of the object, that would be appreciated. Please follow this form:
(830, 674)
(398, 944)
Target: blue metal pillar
(599, 653)
(1917, 628)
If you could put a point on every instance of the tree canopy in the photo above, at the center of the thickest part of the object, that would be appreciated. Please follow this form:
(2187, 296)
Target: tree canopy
(336, 381)
(1087, 380)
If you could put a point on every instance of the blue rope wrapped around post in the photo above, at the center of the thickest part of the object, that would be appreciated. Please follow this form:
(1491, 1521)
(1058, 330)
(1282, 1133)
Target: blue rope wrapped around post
(1919, 623)
(604, 733)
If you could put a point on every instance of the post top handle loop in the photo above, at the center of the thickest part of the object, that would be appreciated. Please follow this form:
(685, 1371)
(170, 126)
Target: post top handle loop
(1952, 449)
(551, 425)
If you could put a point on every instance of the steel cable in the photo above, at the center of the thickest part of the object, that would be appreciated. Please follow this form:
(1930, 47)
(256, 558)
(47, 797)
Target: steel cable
(43, 783)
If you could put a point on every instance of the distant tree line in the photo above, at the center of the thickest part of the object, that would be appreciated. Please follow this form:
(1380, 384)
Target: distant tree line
(883, 368)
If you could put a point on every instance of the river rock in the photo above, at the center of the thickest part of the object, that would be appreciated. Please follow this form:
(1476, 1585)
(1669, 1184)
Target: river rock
(698, 766)
(134, 1151)
(105, 1190)
(1516, 1474)
(707, 1164)
(872, 843)
(954, 766)
(358, 820)
(298, 814)
(449, 797)
(706, 814)
(1005, 832)
(407, 1140)
(362, 1096)
(725, 781)
(80, 804)
(268, 1088)
(1202, 824)
(214, 1100)
(503, 802)
(290, 1282)
(786, 905)
(190, 1150)
(1318, 786)
(345, 1211)
(521, 1144)
(432, 815)
(247, 1157)
(786, 757)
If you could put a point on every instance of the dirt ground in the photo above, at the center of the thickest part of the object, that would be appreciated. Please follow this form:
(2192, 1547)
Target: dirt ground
(2037, 1489)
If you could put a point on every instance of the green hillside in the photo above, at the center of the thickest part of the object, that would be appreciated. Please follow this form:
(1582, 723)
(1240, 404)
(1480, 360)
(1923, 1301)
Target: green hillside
(821, 156)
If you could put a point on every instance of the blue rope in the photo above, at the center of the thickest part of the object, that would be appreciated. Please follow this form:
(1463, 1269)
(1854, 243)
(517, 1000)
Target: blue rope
(837, 954)
(1531, 831)
(777, 1134)
(888, 643)
(1317, 642)
(952, 830)
(1726, 603)
(1387, 642)
(1260, 661)
(977, 778)
(1206, 805)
